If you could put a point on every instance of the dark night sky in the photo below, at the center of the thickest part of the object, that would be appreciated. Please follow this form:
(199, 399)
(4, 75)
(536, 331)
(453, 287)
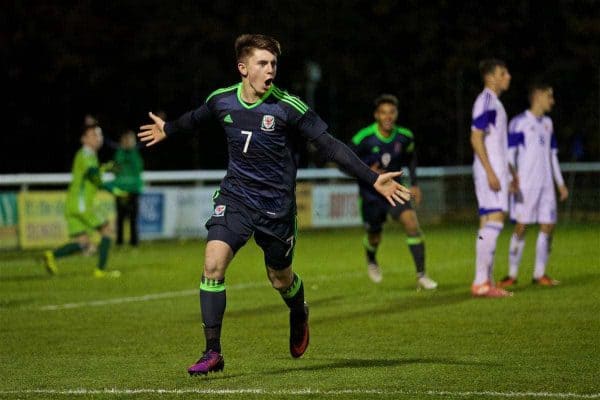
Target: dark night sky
(118, 60)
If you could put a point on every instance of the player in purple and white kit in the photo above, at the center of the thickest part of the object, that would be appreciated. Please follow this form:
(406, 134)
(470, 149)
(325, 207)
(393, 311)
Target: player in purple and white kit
(533, 155)
(490, 172)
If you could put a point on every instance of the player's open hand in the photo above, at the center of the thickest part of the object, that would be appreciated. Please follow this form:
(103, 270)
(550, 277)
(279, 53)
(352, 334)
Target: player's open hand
(514, 185)
(494, 182)
(152, 133)
(394, 192)
(563, 193)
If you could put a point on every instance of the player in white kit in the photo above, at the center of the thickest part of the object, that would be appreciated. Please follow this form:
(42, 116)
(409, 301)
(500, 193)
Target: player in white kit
(490, 172)
(533, 153)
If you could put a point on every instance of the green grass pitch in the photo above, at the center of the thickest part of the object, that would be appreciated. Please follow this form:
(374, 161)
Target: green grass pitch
(134, 337)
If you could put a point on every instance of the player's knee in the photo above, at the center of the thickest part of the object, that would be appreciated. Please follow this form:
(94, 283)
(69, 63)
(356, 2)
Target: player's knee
(520, 230)
(279, 284)
(410, 222)
(547, 228)
(374, 238)
(106, 230)
(280, 279)
(213, 270)
(83, 242)
(413, 230)
(216, 259)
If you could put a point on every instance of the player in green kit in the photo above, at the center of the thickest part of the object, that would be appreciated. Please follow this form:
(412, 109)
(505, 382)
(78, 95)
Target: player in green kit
(79, 209)
(384, 146)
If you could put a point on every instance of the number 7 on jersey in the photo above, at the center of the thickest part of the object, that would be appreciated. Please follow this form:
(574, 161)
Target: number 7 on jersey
(249, 133)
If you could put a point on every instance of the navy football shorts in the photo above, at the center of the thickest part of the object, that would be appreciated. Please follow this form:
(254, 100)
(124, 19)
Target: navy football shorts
(234, 224)
(374, 213)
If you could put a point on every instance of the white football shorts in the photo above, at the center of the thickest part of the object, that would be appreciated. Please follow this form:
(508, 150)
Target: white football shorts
(534, 206)
(488, 200)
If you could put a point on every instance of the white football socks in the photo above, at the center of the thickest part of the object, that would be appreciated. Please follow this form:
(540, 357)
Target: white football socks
(485, 249)
(514, 256)
(542, 251)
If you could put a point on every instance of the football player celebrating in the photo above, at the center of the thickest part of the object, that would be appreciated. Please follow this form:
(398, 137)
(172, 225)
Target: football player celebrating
(257, 195)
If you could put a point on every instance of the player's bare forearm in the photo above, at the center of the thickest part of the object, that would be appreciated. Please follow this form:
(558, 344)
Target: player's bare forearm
(479, 149)
(481, 153)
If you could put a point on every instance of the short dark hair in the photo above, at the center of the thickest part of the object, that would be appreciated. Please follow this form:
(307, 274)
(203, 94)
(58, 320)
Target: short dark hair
(489, 65)
(246, 43)
(385, 99)
(537, 86)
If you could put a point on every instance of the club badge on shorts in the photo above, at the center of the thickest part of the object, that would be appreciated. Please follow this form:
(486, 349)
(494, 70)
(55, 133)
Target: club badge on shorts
(268, 123)
(385, 159)
(219, 210)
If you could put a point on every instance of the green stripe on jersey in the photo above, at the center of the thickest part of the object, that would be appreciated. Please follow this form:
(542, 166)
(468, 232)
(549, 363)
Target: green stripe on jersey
(222, 90)
(405, 132)
(363, 133)
(384, 139)
(258, 103)
(293, 101)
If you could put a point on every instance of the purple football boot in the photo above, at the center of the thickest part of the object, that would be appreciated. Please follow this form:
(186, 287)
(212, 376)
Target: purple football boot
(211, 361)
(299, 333)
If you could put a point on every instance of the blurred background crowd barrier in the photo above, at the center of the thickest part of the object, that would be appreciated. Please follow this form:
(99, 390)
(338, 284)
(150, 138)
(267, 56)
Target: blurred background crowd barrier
(176, 204)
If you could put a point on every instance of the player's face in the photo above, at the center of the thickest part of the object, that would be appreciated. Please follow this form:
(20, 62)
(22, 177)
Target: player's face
(260, 69)
(502, 78)
(386, 115)
(546, 99)
(93, 138)
(128, 141)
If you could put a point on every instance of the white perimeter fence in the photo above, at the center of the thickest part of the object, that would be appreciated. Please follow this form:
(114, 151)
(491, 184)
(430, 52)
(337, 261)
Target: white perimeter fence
(177, 203)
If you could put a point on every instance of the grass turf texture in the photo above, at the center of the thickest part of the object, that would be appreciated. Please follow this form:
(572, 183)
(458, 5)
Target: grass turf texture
(367, 340)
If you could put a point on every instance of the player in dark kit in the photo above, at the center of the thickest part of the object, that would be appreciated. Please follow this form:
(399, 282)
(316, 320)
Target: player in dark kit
(257, 195)
(387, 147)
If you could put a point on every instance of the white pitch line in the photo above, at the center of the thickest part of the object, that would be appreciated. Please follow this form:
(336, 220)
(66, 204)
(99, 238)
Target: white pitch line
(169, 295)
(302, 392)
(164, 295)
(147, 297)
(118, 300)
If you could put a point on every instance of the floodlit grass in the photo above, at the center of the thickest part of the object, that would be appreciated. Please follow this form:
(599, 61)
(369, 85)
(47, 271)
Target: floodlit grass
(367, 340)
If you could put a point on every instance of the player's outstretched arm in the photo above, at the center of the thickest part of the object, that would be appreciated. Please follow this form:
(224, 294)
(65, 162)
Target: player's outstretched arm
(153, 133)
(350, 163)
(394, 192)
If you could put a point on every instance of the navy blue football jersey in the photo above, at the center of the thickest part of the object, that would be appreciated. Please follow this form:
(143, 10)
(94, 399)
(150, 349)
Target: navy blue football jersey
(262, 171)
(391, 153)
